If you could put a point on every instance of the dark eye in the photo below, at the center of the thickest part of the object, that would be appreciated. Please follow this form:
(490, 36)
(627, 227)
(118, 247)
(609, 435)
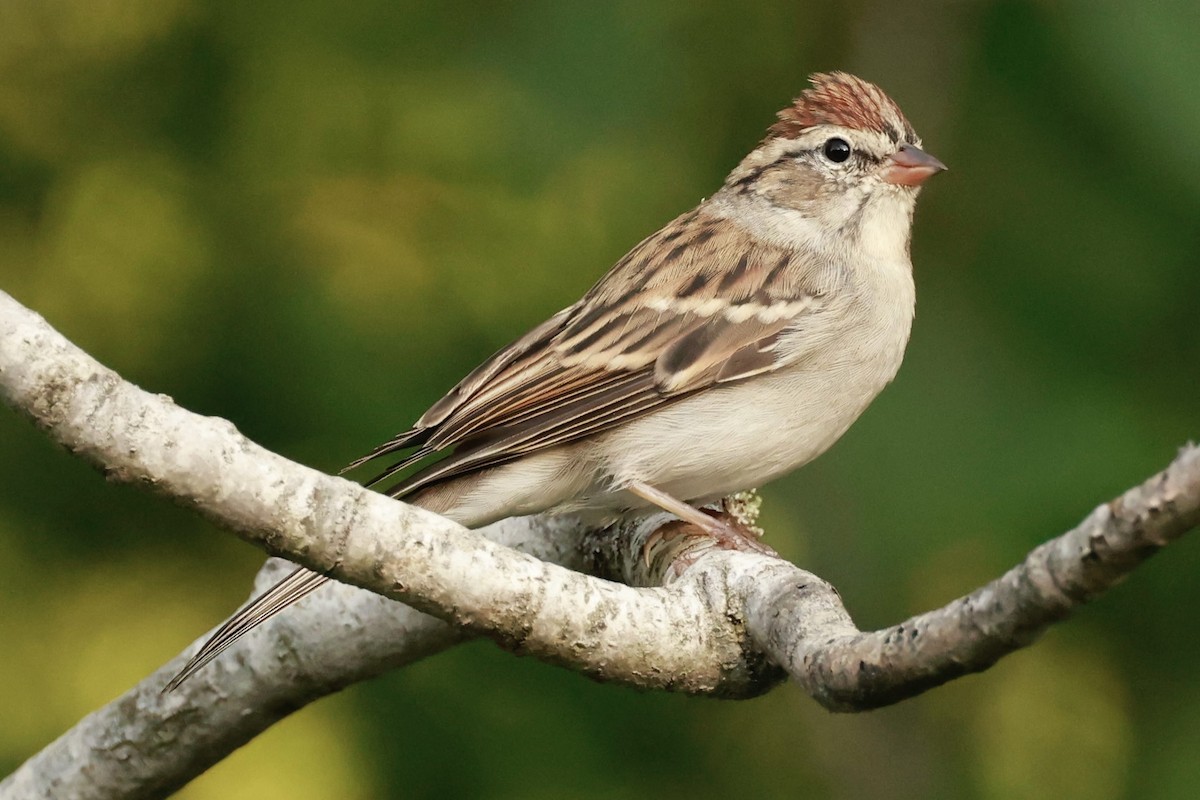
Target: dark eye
(837, 150)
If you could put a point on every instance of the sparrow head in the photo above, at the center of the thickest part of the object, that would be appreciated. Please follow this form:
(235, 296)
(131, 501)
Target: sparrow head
(843, 156)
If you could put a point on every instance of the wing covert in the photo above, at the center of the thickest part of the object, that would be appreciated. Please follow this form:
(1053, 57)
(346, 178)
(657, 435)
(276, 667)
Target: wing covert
(685, 309)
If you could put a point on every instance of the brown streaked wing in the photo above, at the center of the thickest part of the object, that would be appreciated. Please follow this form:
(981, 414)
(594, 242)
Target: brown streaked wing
(518, 377)
(603, 400)
(486, 379)
(685, 309)
(521, 402)
(631, 396)
(470, 386)
(718, 353)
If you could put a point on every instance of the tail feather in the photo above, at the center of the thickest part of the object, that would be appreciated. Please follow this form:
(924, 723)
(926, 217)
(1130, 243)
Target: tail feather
(296, 585)
(300, 582)
(401, 441)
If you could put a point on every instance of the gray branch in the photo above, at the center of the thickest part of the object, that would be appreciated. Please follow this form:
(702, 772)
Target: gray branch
(718, 622)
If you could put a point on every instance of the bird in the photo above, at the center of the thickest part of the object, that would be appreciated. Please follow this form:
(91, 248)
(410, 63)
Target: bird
(730, 347)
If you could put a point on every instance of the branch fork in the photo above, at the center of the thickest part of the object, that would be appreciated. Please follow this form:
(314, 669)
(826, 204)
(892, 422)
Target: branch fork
(675, 612)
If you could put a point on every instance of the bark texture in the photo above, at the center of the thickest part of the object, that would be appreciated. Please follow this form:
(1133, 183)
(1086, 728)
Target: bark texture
(728, 623)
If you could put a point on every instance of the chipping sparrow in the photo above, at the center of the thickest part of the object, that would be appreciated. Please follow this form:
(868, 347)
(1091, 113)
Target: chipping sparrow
(732, 346)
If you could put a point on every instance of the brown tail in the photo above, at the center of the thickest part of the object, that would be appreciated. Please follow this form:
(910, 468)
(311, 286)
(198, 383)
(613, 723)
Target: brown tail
(295, 586)
(289, 590)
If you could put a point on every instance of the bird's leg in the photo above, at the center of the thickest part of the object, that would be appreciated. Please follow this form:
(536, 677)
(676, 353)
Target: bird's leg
(727, 536)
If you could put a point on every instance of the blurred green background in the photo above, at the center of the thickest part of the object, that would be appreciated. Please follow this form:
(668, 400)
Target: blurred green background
(312, 218)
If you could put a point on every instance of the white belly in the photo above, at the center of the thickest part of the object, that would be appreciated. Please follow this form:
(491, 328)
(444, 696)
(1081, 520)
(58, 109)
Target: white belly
(740, 436)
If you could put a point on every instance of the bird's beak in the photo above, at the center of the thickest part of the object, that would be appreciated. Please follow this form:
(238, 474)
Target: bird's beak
(911, 166)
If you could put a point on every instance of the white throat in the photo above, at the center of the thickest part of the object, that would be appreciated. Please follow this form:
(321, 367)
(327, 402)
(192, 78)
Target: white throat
(886, 227)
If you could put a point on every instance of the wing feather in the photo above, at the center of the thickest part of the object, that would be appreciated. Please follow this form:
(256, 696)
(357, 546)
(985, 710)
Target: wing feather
(684, 310)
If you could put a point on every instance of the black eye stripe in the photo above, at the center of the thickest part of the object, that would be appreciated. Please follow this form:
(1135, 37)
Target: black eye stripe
(857, 155)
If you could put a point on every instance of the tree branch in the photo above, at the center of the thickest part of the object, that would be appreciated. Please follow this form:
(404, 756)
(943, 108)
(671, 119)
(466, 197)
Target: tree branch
(717, 626)
(648, 639)
(856, 671)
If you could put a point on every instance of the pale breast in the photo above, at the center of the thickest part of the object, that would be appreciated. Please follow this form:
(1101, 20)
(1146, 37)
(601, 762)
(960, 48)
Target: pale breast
(744, 434)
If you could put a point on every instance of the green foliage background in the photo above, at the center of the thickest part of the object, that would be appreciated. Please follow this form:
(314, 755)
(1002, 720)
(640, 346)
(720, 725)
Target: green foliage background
(311, 218)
